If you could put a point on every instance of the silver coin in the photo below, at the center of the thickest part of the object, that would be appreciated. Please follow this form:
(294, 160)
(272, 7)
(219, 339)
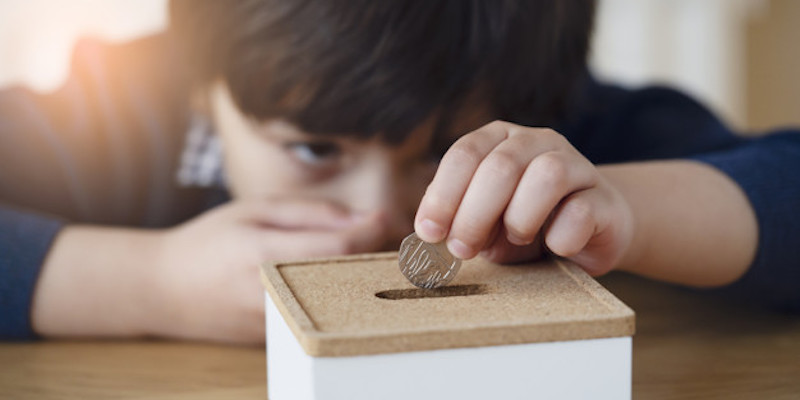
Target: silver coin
(427, 265)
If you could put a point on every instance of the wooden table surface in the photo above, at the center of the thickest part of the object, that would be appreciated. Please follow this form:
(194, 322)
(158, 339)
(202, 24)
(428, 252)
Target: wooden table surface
(688, 345)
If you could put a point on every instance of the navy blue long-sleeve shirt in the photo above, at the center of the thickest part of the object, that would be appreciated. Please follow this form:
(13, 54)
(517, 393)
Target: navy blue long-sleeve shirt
(104, 149)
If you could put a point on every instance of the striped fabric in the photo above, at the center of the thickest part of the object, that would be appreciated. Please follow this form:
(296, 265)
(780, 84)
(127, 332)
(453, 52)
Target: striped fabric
(201, 158)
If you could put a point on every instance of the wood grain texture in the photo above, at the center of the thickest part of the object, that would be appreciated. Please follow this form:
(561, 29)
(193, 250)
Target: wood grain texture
(130, 370)
(688, 345)
(701, 345)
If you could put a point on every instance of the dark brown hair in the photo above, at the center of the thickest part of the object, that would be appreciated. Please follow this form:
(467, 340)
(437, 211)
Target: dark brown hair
(366, 67)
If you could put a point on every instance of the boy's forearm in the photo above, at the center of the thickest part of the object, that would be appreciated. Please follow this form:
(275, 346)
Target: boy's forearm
(96, 282)
(693, 224)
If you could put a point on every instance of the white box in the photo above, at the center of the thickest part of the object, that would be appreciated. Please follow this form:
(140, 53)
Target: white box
(545, 331)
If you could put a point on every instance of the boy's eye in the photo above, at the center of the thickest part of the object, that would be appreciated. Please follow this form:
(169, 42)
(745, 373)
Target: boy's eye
(314, 153)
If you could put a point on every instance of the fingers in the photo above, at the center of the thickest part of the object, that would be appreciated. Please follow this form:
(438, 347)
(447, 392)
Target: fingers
(574, 224)
(586, 228)
(549, 178)
(363, 236)
(516, 182)
(443, 196)
(492, 186)
(514, 177)
(297, 214)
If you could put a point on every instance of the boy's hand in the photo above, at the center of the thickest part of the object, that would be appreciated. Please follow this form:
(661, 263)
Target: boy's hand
(208, 269)
(504, 190)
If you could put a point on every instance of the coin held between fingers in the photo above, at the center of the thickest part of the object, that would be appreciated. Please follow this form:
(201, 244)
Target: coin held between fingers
(427, 265)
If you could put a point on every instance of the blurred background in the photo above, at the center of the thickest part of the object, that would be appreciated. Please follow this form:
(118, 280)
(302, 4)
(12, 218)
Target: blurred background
(739, 57)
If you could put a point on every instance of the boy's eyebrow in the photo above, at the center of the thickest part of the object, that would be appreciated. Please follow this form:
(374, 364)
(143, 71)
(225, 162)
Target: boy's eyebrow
(301, 136)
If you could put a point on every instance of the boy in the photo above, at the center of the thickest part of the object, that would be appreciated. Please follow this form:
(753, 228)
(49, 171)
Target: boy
(332, 117)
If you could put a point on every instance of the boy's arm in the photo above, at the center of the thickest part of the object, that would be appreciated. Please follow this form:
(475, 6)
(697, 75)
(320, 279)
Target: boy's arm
(504, 189)
(96, 281)
(693, 224)
(196, 281)
(731, 217)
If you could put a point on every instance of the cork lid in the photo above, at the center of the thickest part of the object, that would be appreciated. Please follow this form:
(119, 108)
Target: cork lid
(362, 304)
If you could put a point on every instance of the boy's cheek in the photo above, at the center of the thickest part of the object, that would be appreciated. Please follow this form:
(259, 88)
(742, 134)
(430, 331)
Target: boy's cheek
(252, 174)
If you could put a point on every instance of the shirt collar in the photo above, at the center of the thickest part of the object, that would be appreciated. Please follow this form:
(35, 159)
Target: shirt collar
(201, 162)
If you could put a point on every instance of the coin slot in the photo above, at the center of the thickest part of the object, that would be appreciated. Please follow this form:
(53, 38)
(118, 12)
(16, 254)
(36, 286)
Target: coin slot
(444, 291)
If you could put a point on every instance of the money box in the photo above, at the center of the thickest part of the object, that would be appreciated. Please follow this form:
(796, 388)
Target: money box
(354, 328)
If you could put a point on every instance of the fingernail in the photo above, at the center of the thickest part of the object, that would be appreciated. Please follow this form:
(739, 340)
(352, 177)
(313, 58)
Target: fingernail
(459, 249)
(432, 230)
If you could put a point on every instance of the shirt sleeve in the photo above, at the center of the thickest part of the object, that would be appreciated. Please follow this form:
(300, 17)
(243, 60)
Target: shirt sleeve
(613, 125)
(768, 171)
(25, 239)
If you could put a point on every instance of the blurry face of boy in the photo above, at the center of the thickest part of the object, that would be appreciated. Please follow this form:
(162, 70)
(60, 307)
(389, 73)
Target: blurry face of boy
(274, 159)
